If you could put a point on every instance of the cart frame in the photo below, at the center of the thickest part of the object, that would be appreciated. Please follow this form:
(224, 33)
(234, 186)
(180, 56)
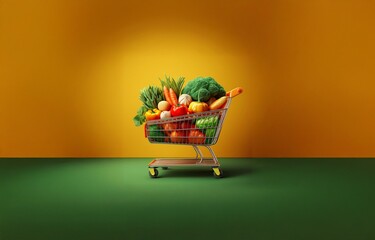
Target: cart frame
(200, 160)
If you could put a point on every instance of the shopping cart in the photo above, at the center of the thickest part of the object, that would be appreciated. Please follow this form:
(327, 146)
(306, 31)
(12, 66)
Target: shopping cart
(197, 129)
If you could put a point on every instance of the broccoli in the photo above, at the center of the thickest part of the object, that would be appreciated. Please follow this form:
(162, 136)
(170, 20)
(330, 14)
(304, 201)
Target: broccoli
(203, 88)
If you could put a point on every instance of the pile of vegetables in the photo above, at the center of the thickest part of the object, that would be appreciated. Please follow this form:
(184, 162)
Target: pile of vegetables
(171, 99)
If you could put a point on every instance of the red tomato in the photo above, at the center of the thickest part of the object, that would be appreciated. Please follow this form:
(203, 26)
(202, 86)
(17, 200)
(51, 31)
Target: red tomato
(186, 125)
(177, 137)
(196, 137)
(169, 127)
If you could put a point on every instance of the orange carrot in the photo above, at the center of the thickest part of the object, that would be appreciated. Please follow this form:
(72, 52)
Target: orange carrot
(234, 92)
(173, 96)
(218, 103)
(167, 96)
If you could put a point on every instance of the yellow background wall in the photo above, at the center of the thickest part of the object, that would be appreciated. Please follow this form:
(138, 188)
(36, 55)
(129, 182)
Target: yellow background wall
(71, 71)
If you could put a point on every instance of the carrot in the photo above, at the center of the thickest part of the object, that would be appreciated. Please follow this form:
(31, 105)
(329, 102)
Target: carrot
(173, 96)
(167, 96)
(218, 103)
(234, 92)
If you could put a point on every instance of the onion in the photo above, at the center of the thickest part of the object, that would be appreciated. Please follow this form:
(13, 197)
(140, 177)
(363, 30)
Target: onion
(185, 99)
(164, 106)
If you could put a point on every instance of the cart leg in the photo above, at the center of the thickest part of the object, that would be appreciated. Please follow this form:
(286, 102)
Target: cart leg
(218, 173)
(199, 154)
(212, 154)
(153, 172)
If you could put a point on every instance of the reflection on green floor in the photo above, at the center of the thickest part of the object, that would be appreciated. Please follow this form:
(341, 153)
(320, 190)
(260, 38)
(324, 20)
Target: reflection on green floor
(257, 199)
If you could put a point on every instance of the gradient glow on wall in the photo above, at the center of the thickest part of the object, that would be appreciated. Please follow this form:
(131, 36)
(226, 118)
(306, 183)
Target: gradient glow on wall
(72, 70)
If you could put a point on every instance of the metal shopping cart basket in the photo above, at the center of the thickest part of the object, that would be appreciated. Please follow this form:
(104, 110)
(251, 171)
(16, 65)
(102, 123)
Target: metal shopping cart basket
(198, 129)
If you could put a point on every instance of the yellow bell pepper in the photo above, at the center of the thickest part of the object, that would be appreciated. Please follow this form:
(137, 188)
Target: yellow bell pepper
(153, 114)
(198, 107)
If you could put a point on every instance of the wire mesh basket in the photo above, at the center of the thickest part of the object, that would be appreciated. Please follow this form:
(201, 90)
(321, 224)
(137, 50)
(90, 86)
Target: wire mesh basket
(198, 128)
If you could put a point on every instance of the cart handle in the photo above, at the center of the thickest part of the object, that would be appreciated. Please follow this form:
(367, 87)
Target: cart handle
(234, 92)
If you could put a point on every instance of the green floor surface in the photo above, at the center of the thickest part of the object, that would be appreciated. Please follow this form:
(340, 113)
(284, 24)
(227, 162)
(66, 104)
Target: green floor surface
(257, 199)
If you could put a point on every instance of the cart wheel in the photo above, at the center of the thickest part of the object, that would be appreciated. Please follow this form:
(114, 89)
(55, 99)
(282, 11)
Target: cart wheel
(218, 173)
(164, 168)
(153, 172)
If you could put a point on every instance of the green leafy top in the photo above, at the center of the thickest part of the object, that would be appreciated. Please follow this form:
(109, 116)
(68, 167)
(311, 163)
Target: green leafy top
(175, 85)
(150, 97)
